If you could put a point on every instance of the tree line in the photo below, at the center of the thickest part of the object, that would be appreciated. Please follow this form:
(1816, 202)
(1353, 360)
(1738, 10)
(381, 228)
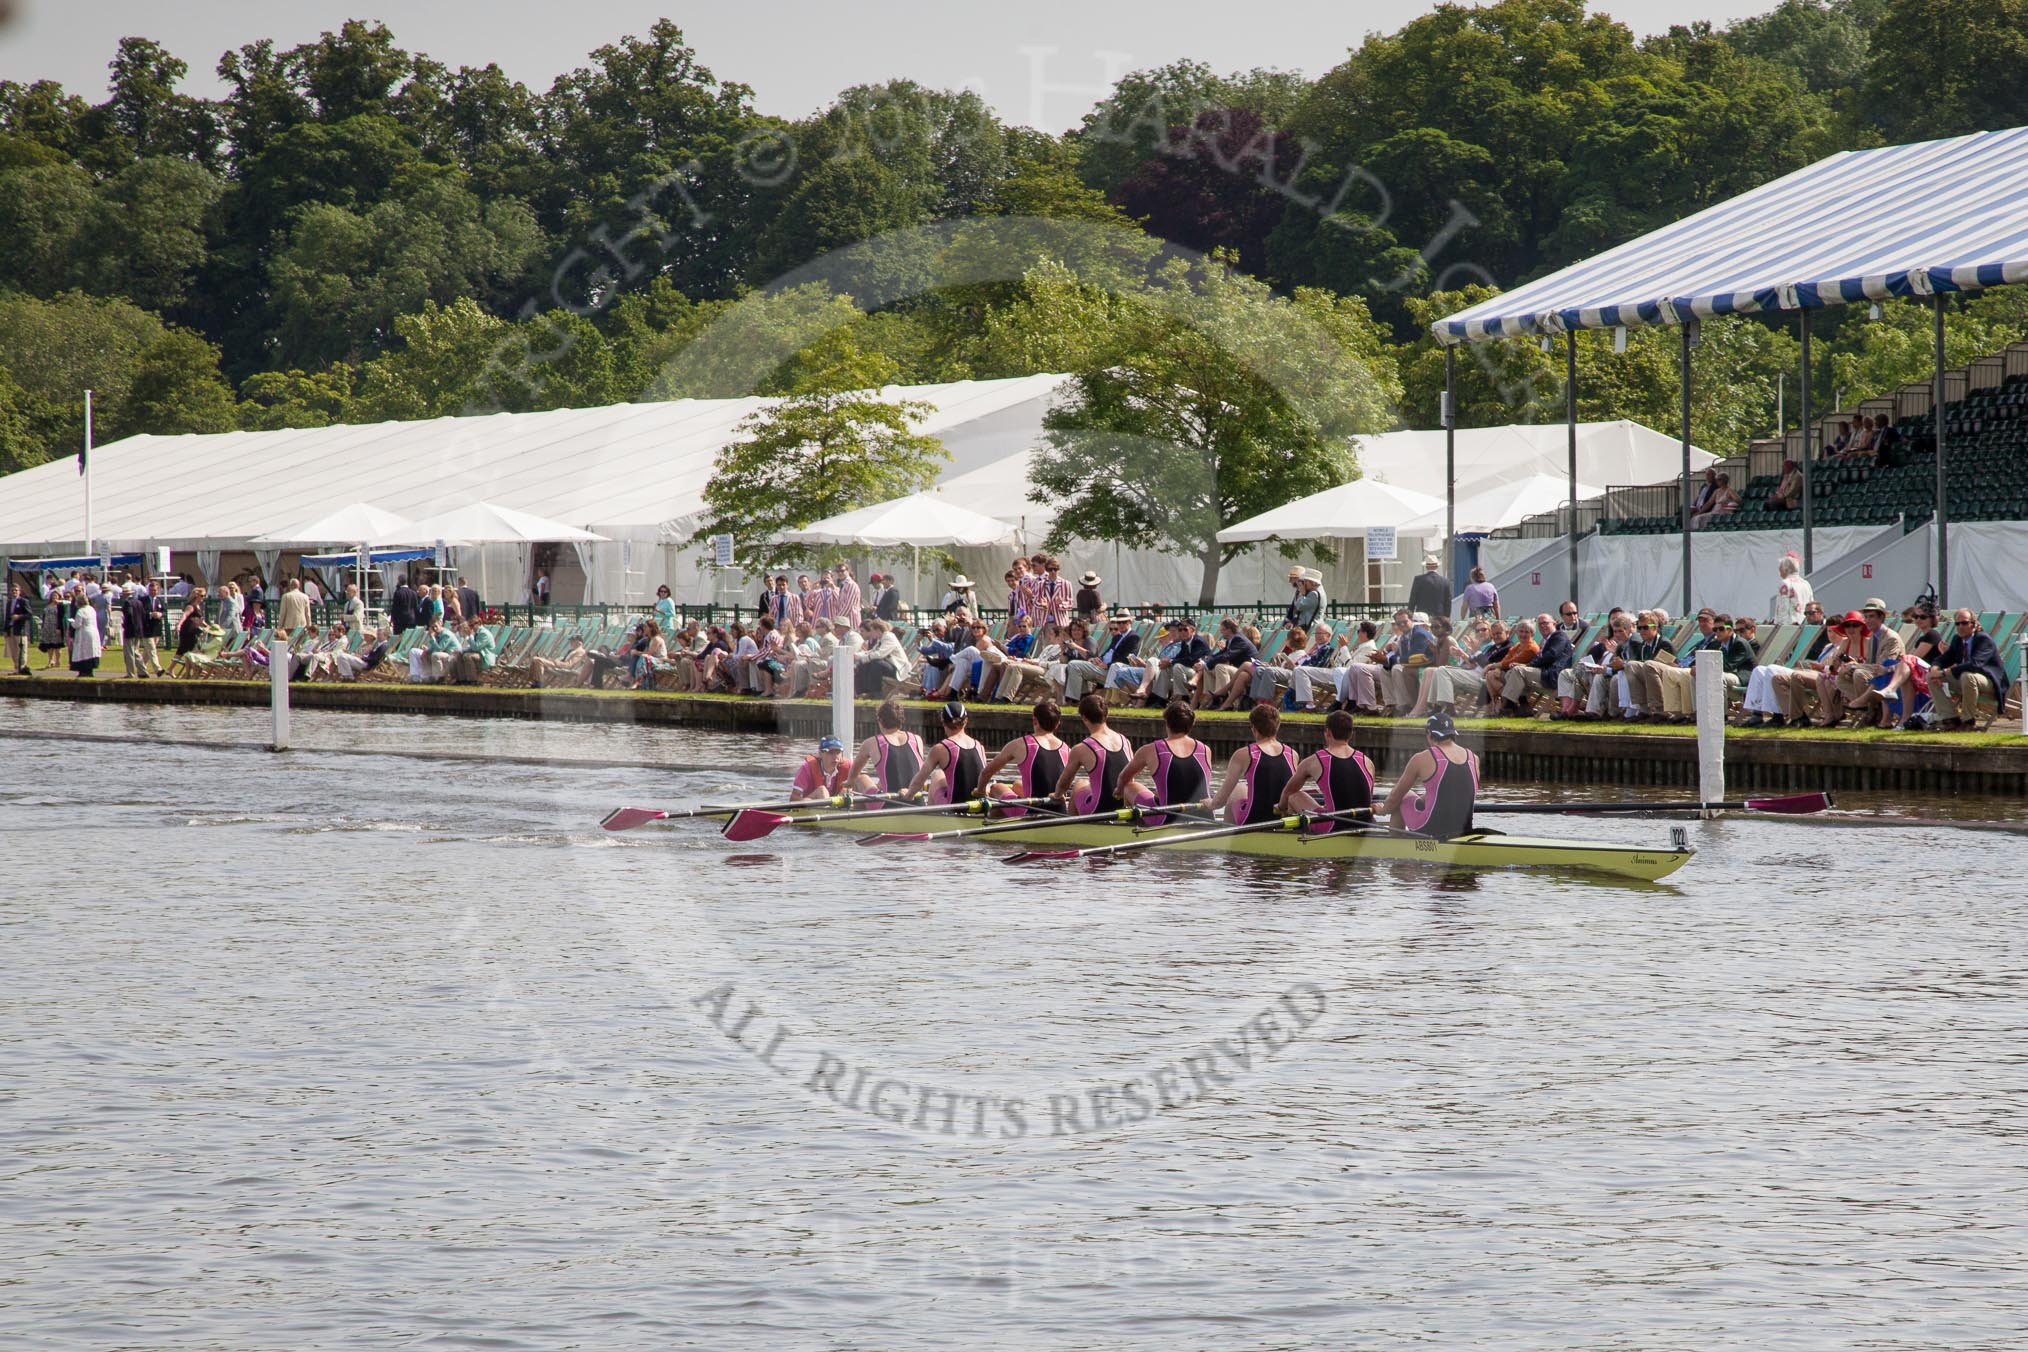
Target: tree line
(356, 232)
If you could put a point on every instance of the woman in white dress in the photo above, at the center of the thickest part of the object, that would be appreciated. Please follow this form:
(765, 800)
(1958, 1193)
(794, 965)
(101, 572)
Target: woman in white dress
(86, 643)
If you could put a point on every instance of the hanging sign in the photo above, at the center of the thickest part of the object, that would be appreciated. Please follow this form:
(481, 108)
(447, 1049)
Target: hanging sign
(721, 550)
(161, 558)
(626, 556)
(443, 555)
(1379, 544)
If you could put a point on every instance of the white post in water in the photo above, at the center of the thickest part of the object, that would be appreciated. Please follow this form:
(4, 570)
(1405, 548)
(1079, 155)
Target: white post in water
(843, 658)
(2001, 712)
(278, 685)
(1709, 674)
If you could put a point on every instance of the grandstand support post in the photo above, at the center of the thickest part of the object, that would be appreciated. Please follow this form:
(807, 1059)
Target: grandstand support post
(1708, 699)
(1570, 427)
(278, 686)
(1809, 506)
(1450, 421)
(843, 661)
(1943, 506)
(1689, 606)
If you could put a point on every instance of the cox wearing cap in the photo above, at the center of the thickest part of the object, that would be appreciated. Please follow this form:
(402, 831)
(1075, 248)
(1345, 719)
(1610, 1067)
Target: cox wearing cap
(823, 775)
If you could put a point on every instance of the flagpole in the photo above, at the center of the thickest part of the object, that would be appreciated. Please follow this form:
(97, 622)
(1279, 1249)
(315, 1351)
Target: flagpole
(84, 467)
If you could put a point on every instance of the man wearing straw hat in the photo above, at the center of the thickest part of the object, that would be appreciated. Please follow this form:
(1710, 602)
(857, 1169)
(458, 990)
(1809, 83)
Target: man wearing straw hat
(1431, 591)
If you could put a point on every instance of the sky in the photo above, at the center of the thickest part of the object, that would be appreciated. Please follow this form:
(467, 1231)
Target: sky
(1041, 63)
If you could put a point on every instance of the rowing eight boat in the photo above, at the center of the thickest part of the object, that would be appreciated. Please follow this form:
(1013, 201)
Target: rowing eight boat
(1479, 850)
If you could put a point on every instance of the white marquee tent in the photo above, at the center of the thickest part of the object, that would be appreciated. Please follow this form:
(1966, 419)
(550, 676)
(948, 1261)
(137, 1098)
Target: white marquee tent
(635, 474)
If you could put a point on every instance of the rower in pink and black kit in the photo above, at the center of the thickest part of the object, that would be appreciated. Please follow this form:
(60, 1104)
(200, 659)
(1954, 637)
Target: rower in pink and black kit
(1267, 774)
(1346, 786)
(1177, 768)
(1035, 773)
(1101, 791)
(1438, 787)
(1179, 780)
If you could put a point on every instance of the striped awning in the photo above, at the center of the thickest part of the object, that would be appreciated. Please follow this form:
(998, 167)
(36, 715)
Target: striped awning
(1909, 220)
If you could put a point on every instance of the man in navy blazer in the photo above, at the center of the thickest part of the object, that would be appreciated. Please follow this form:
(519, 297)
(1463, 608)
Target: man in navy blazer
(1968, 668)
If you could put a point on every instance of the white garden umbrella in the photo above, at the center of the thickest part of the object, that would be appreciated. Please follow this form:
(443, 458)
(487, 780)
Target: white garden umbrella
(916, 520)
(360, 525)
(487, 523)
(1348, 509)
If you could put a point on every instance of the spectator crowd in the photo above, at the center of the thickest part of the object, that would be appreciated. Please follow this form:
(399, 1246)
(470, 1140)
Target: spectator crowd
(1059, 639)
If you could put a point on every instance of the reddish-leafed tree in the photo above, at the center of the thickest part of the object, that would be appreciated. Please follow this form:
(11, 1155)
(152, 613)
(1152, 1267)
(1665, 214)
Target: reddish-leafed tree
(1219, 183)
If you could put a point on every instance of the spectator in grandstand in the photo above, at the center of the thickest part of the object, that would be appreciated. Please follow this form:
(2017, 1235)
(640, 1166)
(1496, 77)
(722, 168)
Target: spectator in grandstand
(1218, 669)
(1840, 443)
(1722, 502)
(1737, 653)
(1087, 601)
(1402, 681)
(1968, 670)
(573, 668)
(1300, 650)
(190, 632)
(882, 659)
(469, 604)
(1707, 493)
(1788, 494)
(1878, 649)
(1168, 674)
(1121, 643)
(1585, 689)
(1350, 672)
(1908, 674)
(1661, 686)
(1524, 681)
(1761, 705)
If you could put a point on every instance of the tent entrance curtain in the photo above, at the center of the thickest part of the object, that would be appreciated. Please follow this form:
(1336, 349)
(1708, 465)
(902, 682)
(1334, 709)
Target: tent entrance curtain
(265, 558)
(584, 561)
(207, 567)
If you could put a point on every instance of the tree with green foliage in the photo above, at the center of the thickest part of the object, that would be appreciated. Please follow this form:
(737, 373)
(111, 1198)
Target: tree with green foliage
(344, 277)
(832, 446)
(1222, 401)
(1947, 67)
(1133, 122)
(144, 375)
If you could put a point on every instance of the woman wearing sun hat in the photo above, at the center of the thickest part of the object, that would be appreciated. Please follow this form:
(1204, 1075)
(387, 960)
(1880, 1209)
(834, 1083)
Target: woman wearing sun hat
(960, 594)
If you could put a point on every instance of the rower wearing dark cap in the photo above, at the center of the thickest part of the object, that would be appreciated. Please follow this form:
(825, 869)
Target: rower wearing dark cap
(1438, 787)
(954, 771)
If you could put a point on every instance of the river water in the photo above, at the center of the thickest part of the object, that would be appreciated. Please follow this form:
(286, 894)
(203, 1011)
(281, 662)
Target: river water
(396, 1048)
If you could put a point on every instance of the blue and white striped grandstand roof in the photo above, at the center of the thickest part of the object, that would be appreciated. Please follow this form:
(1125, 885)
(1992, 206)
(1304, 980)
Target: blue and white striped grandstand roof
(1909, 220)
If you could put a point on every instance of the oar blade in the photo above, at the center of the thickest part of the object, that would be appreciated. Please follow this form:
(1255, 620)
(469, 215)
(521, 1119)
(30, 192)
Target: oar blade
(1041, 856)
(627, 818)
(893, 837)
(752, 824)
(1794, 805)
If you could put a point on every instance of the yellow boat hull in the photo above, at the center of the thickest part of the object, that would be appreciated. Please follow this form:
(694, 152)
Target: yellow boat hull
(1476, 851)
